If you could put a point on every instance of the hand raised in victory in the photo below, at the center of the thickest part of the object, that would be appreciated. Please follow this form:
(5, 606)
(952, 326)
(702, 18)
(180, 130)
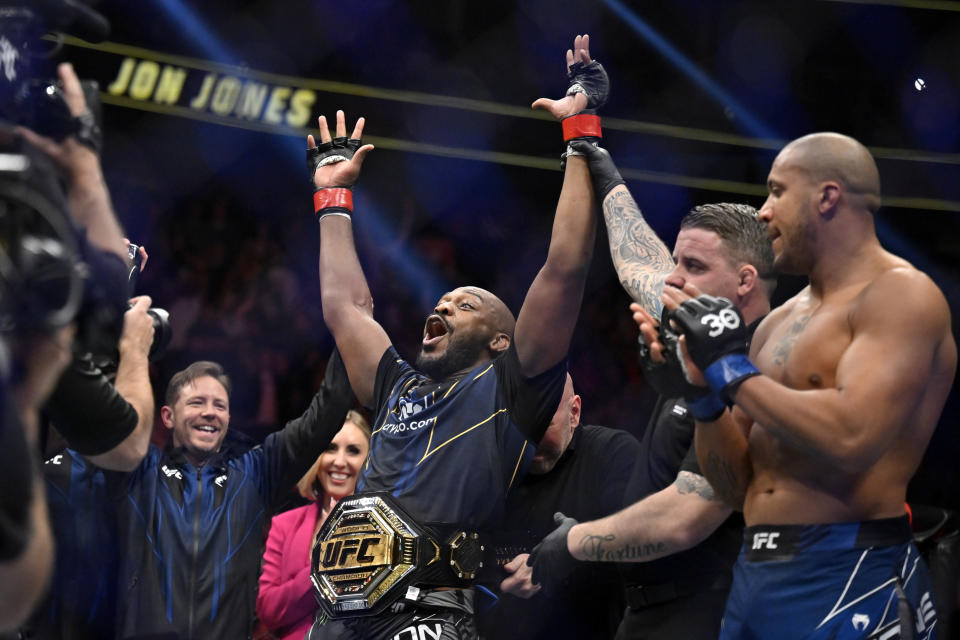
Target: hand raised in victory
(589, 85)
(336, 161)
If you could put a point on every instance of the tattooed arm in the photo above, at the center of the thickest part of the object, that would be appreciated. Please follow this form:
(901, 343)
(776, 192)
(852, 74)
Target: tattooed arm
(671, 520)
(641, 259)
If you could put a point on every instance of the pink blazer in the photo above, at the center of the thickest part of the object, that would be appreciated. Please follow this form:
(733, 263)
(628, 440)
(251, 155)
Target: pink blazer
(285, 602)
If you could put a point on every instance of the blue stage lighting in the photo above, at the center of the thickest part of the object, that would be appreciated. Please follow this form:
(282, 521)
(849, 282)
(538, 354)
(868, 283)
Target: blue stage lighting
(749, 122)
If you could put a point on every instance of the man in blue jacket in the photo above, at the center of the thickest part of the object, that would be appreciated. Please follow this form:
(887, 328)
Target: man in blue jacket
(192, 516)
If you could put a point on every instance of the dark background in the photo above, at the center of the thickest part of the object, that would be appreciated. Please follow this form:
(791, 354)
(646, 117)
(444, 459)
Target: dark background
(227, 218)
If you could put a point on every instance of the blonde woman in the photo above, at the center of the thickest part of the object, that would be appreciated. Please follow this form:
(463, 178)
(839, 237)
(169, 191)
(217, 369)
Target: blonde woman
(285, 602)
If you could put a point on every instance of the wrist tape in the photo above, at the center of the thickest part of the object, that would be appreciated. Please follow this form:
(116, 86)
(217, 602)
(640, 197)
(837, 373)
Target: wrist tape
(581, 125)
(333, 200)
(707, 408)
(726, 374)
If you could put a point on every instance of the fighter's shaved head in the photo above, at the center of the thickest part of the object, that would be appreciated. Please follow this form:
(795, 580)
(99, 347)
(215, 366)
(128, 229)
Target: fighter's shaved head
(833, 156)
(502, 317)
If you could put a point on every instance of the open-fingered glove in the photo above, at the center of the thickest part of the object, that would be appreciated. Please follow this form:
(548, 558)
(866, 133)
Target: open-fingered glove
(334, 199)
(339, 149)
(667, 377)
(592, 81)
(716, 339)
(669, 380)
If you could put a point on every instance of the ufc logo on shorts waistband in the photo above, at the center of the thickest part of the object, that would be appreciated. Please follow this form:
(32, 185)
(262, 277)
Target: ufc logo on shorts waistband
(765, 540)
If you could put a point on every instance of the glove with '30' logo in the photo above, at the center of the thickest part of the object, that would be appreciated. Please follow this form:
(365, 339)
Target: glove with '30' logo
(716, 338)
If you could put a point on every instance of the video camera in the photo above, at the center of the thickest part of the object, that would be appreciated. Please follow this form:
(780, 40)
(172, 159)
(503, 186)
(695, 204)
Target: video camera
(27, 97)
(49, 274)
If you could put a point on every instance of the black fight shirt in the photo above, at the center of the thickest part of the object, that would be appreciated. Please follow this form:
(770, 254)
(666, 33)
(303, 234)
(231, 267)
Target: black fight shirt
(449, 451)
(585, 484)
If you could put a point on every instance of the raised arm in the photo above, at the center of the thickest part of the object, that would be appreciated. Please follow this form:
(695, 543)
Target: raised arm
(345, 296)
(78, 156)
(133, 385)
(641, 259)
(549, 313)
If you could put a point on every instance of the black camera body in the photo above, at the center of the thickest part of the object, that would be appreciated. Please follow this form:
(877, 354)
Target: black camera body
(161, 318)
(42, 276)
(27, 97)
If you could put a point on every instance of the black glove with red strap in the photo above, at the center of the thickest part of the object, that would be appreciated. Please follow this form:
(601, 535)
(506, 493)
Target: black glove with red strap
(591, 80)
(716, 338)
(332, 200)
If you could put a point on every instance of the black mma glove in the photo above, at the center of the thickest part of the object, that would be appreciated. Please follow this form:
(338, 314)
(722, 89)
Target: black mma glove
(591, 80)
(332, 200)
(602, 170)
(716, 337)
(668, 379)
(550, 559)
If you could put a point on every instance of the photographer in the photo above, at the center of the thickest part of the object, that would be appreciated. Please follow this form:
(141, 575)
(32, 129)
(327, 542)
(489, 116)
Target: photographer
(77, 156)
(63, 271)
(80, 496)
(108, 424)
(26, 546)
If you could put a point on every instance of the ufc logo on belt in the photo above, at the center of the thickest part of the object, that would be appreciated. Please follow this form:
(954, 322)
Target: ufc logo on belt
(337, 553)
(765, 540)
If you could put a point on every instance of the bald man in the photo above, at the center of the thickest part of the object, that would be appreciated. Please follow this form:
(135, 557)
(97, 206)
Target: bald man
(581, 471)
(832, 411)
(457, 429)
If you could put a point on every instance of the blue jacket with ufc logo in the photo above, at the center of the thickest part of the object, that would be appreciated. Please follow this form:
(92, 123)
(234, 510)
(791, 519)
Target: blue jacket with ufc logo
(192, 538)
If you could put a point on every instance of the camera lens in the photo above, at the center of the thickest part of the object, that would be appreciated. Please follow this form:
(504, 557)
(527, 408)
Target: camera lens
(161, 332)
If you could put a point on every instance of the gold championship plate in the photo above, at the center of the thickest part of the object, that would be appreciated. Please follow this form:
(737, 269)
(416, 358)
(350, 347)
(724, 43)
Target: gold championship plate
(370, 550)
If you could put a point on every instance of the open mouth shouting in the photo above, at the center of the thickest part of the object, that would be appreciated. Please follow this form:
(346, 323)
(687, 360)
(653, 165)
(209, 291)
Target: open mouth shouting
(435, 330)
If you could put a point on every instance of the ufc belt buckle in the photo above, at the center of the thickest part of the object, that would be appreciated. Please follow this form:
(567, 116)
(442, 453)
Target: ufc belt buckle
(370, 550)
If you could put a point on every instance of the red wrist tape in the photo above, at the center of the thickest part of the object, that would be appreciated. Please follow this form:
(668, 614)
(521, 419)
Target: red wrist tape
(336, 197)
(582, 125)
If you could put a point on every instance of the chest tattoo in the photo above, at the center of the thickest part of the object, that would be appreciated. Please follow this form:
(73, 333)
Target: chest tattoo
(782, 351)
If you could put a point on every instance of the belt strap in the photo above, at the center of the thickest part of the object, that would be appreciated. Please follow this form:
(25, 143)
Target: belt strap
(639, 596)
(459, 554)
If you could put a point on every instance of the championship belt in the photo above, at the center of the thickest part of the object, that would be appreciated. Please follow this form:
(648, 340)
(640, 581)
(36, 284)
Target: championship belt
(370, 553)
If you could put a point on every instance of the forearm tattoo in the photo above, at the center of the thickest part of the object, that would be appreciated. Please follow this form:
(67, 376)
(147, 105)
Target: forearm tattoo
(724, 480)
(688, 482)
(641, 259)
(608, 549)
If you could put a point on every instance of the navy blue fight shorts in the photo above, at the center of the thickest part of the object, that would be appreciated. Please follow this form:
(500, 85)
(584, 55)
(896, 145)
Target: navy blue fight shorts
(847, 581)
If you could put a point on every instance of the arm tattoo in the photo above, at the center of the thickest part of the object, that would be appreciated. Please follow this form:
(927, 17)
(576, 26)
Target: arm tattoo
(688, 482)
(641, 259)
(606, 549)
(724, 480)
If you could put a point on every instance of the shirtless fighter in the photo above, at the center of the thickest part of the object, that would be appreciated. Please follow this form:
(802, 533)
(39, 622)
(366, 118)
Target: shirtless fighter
(832, 411)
